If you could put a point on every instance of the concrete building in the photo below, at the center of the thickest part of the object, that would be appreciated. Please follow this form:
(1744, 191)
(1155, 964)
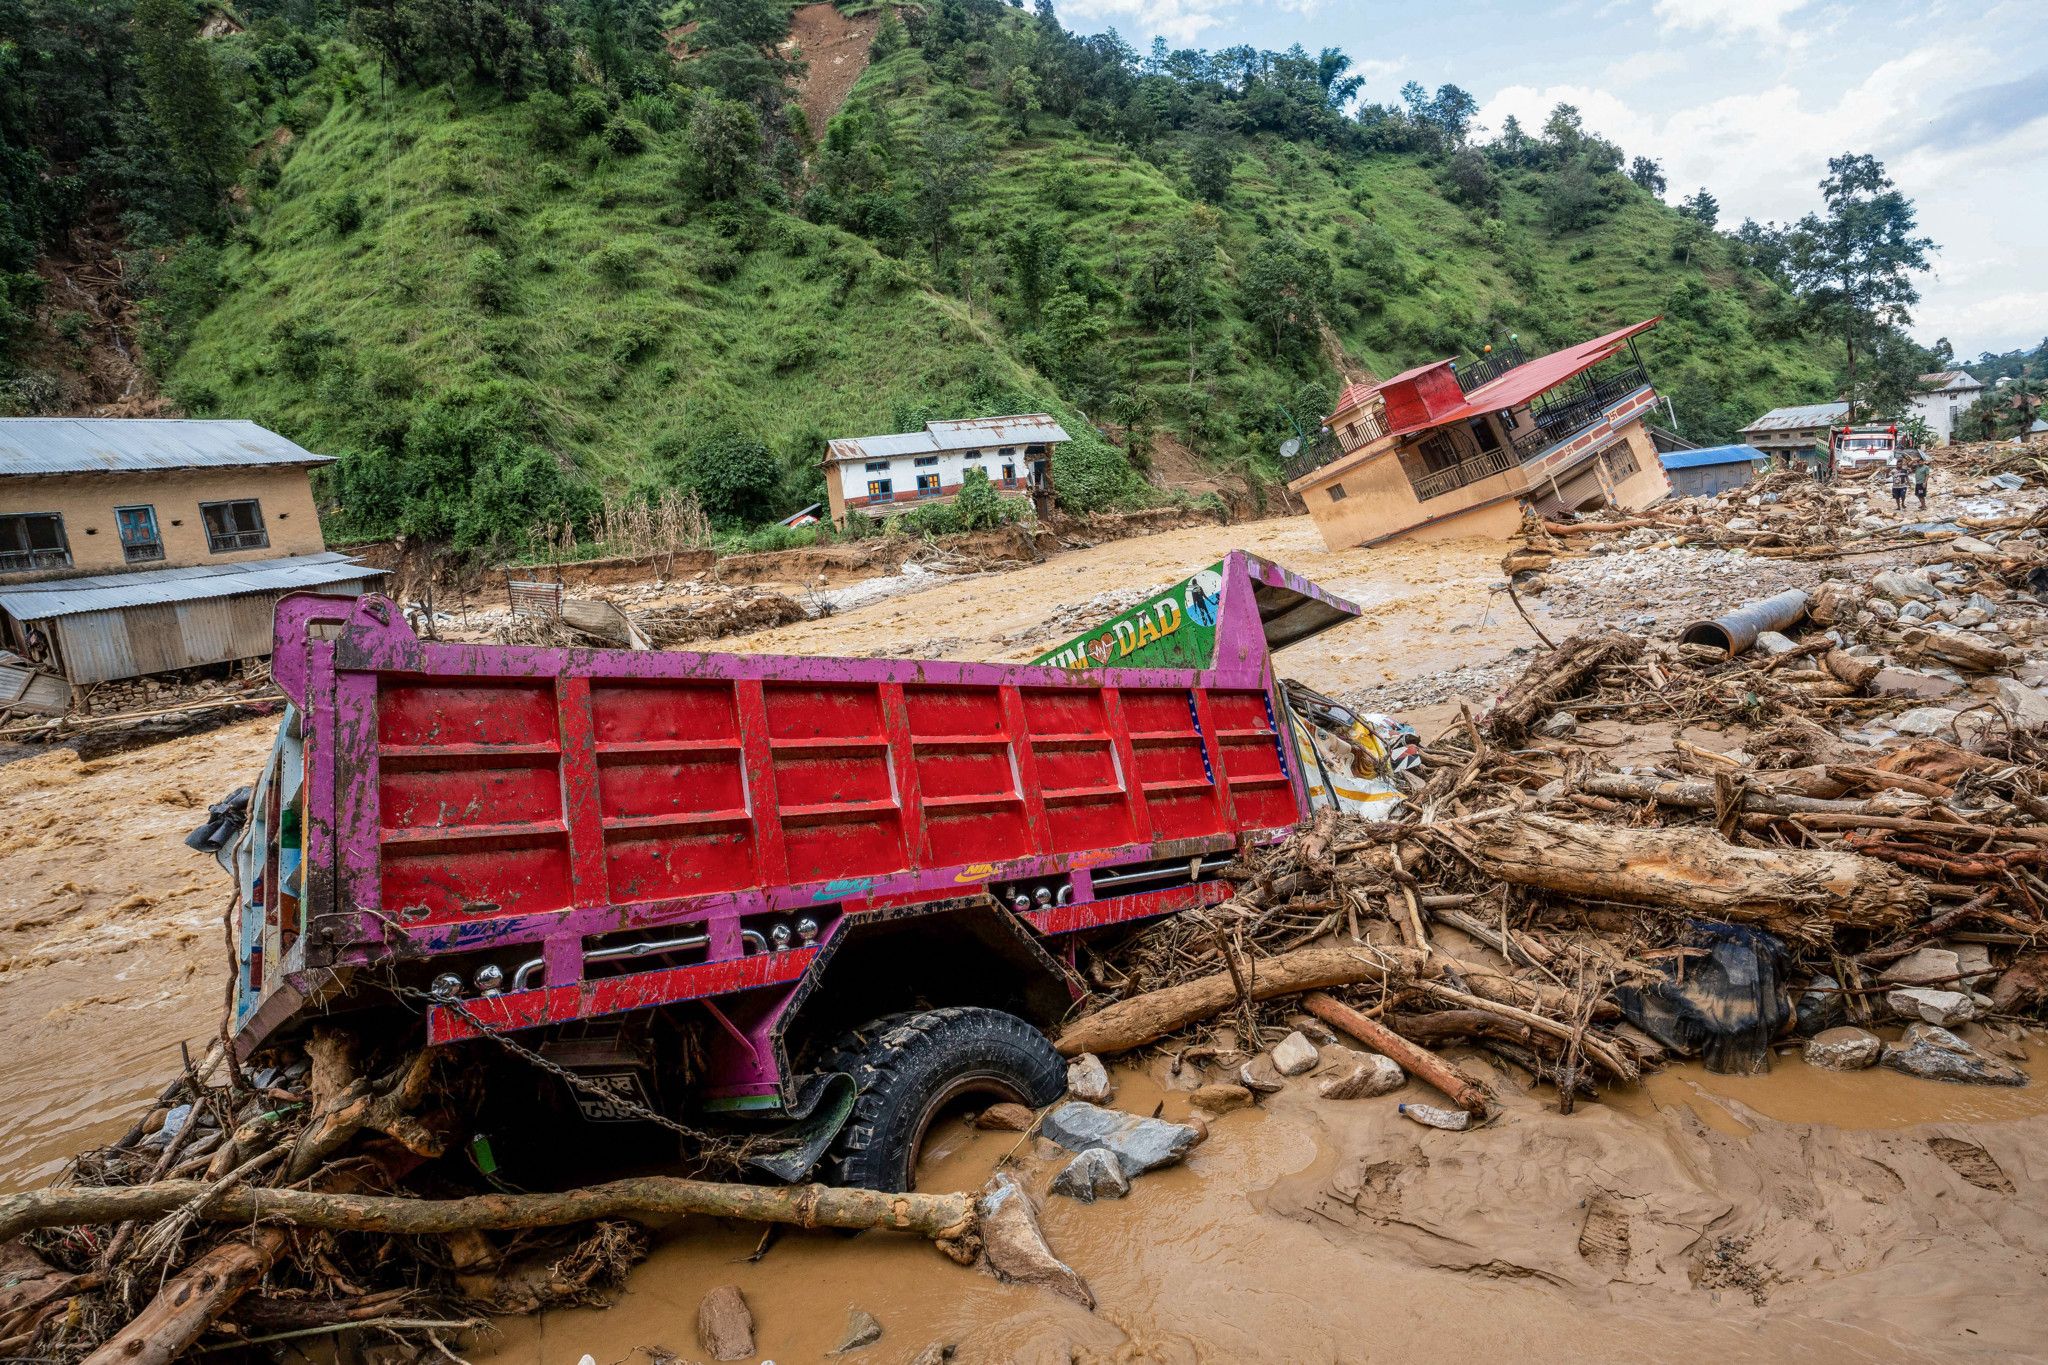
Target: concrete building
(135, 546)
(1944, 397)
(1439, 452)
(1785, 434)
(1701, 473)
(881, 475)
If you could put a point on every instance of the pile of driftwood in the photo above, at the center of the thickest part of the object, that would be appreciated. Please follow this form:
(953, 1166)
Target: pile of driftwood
(1533, 894)
(331, 1193)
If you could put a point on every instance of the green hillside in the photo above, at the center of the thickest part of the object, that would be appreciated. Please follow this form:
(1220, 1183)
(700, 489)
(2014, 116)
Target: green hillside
(636, 270)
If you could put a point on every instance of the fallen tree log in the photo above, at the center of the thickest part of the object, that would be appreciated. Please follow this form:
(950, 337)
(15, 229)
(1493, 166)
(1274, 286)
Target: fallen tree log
(188, 1304)
(1144, 1018)
(937, 1216)
(1468, 1094)
(1692, 871)
(1822, 813)
(1554, 679)
(1458, 1026)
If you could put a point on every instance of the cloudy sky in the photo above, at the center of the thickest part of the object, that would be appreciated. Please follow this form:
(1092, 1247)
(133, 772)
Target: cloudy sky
(1747, 97)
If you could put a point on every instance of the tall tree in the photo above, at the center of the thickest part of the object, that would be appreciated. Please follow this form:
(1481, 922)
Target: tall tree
(181, 88)
(1853, 265)
(1647, 172)
(1702, 207)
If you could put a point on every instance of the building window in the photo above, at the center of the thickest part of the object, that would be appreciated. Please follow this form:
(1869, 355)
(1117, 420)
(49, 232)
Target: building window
(927, 485)
(926, 461)
(33, 540)
(140, 543)
(881, 489)
(1337, 492)
(232, 526)
(1009, 473)
(1621, 462)
(877, 467)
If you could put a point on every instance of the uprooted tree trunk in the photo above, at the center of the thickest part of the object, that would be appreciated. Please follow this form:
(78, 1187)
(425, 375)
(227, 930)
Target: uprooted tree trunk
(1145, 1018)
(190, 1302)
(1691, 871)
(1465, 1092)
(1557, 677)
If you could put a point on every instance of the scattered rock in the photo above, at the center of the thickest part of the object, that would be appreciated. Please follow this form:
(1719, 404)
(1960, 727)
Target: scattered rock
(1820, 1004)
(1361, 1075)
(1970, 545)
(1935, 1054)
(1971, 617)
(1557, 725)
(1450, 1120)
(1936, 1007)
(1771, 642)
(1295, 1054)
(725, 1325)
(1004, 1118)
(1138, 1144)
(1013, 1246)
(1883, 610)
(2027, 707)
(938, 1353)
(1973, 960)
(1260, 1075)
(1221, 1099)
(1092, 1175)
(1923, 966)
(861, 1330)
(1911, 682)
(1903, 586)
(1924, 720)
(1915, 611)
(1088, 1078)
(1844, 1049)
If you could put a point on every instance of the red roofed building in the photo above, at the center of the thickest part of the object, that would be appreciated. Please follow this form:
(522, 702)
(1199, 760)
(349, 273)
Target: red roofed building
(1442, 452)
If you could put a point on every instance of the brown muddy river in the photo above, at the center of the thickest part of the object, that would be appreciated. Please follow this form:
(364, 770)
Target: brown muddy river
(1802, 1216)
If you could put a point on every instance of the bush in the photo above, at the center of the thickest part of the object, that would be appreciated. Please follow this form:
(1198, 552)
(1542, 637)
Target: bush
(929, 519)
(1089, 474)
(734, 474)
(551, 123)
(654, 111)
(342, 213)
(979, 507)
(615, 263)
(301, 346)
(625, 137)
(488, 278)
(590, 110)
(482, 220)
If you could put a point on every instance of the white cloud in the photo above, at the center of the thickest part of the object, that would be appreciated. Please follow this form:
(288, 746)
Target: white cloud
(1731, 18)
(1981, 196)
(1180, 22)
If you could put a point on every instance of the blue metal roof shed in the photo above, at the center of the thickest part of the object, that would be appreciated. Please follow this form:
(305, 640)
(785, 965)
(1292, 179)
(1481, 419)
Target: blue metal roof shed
(1703, 473)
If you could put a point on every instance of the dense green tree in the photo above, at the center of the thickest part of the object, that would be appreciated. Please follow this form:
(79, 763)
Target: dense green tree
(1019, 98)
(949, 168)
(1648, 173)
(182, 88)
(733, 473)
(1286, 291)
(1209, 168)
(725, 144)
(1853, 265)
(1701, 207)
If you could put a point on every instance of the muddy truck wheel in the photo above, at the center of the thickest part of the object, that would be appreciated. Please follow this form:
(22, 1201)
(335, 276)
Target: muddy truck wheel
(911, 1068)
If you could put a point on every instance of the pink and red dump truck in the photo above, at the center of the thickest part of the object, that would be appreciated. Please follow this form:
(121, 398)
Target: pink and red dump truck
(812, 899)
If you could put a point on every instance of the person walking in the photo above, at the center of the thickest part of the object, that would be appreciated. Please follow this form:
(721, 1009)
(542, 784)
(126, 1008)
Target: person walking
(1921, 466)
(1900, 481)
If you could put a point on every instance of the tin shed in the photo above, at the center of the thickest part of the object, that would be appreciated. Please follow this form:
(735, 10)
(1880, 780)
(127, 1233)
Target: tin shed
(1703, 473)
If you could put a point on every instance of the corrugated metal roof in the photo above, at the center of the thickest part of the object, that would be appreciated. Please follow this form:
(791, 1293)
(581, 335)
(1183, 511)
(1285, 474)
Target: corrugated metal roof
(107, 592)
(109, 445)
(1691, 459)
(1950, 379)
(1034, 428)
(1792, 419)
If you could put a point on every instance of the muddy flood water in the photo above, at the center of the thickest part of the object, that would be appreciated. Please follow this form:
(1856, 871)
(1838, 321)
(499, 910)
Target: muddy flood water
(1804, 1215)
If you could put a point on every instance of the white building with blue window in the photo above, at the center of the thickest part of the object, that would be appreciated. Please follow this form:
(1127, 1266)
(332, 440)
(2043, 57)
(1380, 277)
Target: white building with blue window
(877, 476)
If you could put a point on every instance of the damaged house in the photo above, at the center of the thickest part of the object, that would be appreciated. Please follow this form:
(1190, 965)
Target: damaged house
(135, 546)
(1442, 452)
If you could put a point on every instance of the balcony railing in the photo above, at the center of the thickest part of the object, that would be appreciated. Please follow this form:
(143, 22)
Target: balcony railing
(1570, 408)
(1311, 457)
(1438, 482)
(1490, 366)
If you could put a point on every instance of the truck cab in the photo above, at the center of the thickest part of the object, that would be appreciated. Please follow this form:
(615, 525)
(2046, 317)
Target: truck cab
(1866, 447)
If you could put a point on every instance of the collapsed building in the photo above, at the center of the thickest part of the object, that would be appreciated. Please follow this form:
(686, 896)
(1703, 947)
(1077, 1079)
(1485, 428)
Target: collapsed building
(1441, 451)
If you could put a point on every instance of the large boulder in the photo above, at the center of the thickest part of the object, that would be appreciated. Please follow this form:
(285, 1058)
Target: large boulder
(1923, 967)
(1903, 586)
(1843, 1049)
(1093, 1175)
(1935, 1054)
(1361, 1075)
(1945, 1008)
(1295, 1054)
(1139, 1145)
(1088, 1078)
(2027, 706)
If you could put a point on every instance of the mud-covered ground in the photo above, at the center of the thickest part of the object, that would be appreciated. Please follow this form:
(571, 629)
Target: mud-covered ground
(1801, 1215)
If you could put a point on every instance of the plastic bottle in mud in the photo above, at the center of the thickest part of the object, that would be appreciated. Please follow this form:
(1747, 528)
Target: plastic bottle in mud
(1450, 1120)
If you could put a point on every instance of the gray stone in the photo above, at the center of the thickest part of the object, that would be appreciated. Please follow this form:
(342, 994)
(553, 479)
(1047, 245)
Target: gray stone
(1820, 1004)
(861, 1330)
(1971, 617)
(1924, 720)
(1088, 1078)
(2011, 483)
(1915, 611)
(1938, 1055)
(1771, 642)
(1923, 967)
(1843, 1049)
(1982, 603)
(1902, 586)
(1015, 1249)
(1911, 682)
(1139, 1145)
(1557, 725)
(1970, 545)
(1294, 1054)
(2027, 707)
(1361, 1075)
(1934, 1006)
(1973, 960)
(725, 1325)
(1093, 1175)
(1260, 1076)
(1883, 610)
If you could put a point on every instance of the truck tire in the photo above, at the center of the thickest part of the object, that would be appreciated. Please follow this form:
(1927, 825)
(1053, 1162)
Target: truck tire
(910, 1067)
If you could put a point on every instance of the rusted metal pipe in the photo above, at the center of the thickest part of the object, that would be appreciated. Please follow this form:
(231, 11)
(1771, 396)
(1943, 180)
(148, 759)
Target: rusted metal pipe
(1738, 630)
